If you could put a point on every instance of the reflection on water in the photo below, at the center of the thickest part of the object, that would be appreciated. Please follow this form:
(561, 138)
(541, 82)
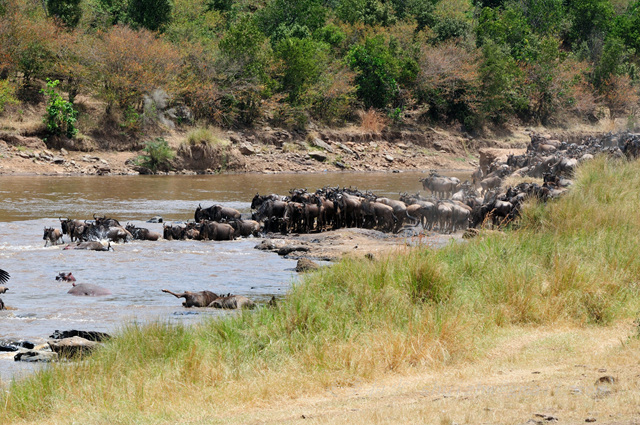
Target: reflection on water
(136, 272)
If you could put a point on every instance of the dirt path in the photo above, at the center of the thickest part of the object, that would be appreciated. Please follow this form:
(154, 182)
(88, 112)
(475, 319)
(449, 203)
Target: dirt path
(530, 376)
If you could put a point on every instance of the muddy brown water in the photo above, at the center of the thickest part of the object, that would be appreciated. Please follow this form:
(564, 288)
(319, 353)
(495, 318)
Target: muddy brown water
(136, 272)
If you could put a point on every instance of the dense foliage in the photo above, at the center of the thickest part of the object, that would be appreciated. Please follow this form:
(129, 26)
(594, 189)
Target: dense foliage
(235, 63)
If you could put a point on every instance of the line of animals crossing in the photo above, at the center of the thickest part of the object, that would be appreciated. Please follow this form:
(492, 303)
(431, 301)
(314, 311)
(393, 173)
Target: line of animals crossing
(450, 206)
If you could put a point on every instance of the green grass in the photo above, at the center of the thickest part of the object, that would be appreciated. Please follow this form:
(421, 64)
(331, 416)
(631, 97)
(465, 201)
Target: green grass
(206, 135)
(573, 261)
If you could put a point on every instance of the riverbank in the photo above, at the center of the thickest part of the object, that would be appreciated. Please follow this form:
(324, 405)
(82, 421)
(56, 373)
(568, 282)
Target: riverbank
(499, 310)
(273, 151)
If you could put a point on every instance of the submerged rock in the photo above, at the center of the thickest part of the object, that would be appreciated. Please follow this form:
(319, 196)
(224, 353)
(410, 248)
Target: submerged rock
(305, 265)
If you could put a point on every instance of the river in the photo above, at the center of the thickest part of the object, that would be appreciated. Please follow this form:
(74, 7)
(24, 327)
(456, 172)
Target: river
(136, 272)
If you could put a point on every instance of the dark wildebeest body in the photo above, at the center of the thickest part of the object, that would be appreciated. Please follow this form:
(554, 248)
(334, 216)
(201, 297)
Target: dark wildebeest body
(214, 231)
(195, 299)
(141, 233)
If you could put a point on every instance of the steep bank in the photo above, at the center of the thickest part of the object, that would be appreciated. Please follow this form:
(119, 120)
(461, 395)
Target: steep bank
(273, 151)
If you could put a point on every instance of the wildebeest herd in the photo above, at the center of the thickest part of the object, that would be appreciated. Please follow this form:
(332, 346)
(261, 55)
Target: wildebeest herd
(449, 205)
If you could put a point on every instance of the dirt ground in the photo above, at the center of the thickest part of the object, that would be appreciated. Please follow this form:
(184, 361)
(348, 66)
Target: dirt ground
(533, 376)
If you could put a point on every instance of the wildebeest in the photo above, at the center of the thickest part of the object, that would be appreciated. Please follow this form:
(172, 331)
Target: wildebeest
(216, 213)
(439, 185)
(88, 290)
(195, 299)
(3, 289)
(91, 245)
(175, 231)
(66, 277)
(245, 228)
(214, 231)
(73, 228)
(232, 302)
(53, 236)
(141, 233)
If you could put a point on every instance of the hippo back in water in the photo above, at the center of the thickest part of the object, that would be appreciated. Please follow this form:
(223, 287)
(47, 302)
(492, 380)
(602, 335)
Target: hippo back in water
(88, 290)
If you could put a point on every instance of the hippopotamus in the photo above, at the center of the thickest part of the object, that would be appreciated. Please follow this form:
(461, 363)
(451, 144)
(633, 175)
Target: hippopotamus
(232, 302)
(91, 245)
(195, 299)
(66, 277)
(88, 290)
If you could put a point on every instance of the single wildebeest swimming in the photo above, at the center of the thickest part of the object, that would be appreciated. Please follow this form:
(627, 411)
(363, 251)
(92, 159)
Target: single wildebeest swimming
(53, 236)
(195, 299)
(66, 277)
(3, 289)
(232, 302)
(88, 290)
(91, 245)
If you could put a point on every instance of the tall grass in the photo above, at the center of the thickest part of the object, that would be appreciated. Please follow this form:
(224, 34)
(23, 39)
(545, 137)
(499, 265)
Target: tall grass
(571, 261)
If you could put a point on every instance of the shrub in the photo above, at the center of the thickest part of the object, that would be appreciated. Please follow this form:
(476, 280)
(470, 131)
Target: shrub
(372, 121)
(61, 117)
(205, 136)
(153, 15)
(7, 94)
(68, 11)
(125, 64)
(376, 70)
(302, 61)
(157, 155)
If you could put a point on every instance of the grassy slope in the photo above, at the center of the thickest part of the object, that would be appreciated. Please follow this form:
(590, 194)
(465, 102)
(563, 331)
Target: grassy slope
(572, 263)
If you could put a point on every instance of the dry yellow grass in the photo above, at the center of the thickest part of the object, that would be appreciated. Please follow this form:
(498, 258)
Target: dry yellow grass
(372, 121)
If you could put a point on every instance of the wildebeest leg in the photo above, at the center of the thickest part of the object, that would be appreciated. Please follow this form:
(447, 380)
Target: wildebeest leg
(1, 304)
(183, 295)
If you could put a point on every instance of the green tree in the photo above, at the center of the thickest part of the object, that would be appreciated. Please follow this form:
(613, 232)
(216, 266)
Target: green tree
(303, 61)
(588, 18)
(284, 18)
(612, 61)
(627, 26)
(157, 155)
(508, 27)
(60, 117)
(68, 11)
(153, 15)
(500, 82)
(369, 12)
(376, 72)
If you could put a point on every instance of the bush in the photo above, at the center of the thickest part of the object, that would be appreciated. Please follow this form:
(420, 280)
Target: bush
(68, 11)
(153, 15)
(61, 117)
(376, 71)
(7, 94)
(302, 63)
(205, 136)
(157, 155)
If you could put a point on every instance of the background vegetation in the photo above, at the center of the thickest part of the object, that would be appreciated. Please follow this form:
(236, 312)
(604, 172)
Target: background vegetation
(237, 63)
(571, 263)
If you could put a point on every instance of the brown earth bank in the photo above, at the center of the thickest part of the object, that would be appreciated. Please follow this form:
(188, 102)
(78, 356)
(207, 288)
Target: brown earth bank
(266, 150)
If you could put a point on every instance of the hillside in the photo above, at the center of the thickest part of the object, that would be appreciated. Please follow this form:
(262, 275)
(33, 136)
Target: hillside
(277, 71)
